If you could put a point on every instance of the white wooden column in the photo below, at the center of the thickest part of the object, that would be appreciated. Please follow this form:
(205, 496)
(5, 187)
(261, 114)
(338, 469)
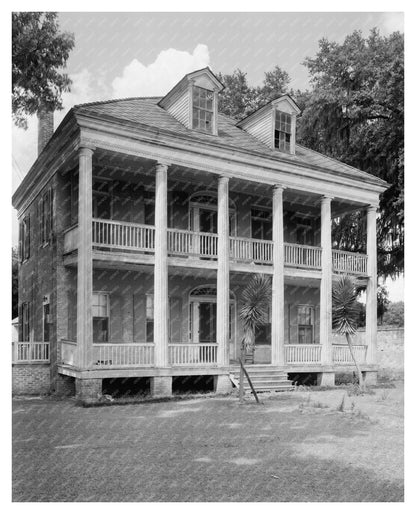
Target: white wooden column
(325, 332)
(371, 295)
(223, 273)
(85, 268)
(161, 302)
(278, 285)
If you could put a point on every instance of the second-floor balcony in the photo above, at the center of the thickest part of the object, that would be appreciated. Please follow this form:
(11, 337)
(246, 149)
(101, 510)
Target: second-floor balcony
(116, 236)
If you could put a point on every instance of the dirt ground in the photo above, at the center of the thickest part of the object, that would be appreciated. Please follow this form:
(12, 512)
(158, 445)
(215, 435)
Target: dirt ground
(306, 445)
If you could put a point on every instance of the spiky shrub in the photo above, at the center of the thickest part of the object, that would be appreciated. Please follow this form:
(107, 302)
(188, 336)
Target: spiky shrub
(253, 313)
(254, 310)
(345, 314)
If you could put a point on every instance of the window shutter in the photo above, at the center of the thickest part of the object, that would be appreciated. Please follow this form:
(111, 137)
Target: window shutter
(115, 321)
(175, 306)
(293, 324)
(72, 315)
(316, 328)
(40, 220)
(139, 318)
(20, 325)
(51, 211)
(20, 248)
(27, 238)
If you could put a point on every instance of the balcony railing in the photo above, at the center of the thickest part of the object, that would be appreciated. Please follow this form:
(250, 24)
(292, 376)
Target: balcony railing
(303, 256)
(303, 353)
(251, 250)
(349, 262)
(123, 355)
(341, 354)
(133, 237)
(123, 235)
(193, 354)
(187, 243)
(30, 352)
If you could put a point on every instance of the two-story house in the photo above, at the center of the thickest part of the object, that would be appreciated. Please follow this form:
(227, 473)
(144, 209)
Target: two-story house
(143, 219)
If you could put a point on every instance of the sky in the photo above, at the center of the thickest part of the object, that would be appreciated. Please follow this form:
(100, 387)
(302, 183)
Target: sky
(120, 55)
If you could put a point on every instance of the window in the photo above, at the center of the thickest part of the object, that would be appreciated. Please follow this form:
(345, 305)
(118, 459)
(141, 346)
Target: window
(264, 332)
(46, 318)
(100, 317)
(304, 230)
(282, 131)
(305, 324)
(45, 217)
(150, 317)
(24, 238)
(102, 199)
(202, 109)
(25, 310)
(261, 223)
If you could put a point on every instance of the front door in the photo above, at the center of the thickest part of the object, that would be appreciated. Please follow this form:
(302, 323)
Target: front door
(207, 322)
(207, 221)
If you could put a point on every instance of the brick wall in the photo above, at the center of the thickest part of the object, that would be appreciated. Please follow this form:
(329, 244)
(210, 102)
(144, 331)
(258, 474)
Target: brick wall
(30, 378)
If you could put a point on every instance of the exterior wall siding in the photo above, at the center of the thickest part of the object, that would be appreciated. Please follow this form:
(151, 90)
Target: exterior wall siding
(180, 109)
(261, 128)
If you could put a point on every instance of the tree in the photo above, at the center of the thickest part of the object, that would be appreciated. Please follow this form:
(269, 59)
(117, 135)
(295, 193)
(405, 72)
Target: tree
(253, 314)
(39, 52)
(238, 99)
(394, 315)
(15, 283)
(355, 113)
(382, 302)
(345, 314)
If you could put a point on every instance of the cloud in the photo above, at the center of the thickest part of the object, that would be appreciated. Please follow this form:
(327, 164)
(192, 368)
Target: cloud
(161, 75)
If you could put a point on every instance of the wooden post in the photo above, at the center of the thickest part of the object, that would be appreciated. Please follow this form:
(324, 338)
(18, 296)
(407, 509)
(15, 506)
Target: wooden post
(85, 267)
(371, 295)
(161, 303)
(278, 285)
(326, 282)
(223, 273)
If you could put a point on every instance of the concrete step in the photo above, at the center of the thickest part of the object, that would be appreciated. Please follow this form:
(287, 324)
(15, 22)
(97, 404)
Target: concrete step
(263, 378)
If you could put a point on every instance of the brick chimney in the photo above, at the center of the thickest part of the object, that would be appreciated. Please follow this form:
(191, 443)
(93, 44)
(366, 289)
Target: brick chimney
(45, 127)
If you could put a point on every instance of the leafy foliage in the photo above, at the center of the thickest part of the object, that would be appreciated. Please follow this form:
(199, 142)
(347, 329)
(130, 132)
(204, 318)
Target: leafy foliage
(394, 315)
(254, 309)
(39, 51)
(238, 99)
(345, 308)
(355, 113)
(382, 302)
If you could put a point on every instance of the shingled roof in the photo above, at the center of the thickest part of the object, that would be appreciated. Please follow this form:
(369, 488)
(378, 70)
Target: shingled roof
(146, 111)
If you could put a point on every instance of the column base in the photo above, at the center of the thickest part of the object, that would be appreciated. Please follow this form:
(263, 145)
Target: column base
(223, 384)
(88, 389)
(64, 385)
(161, 386)
(370, 378)
(326, 379)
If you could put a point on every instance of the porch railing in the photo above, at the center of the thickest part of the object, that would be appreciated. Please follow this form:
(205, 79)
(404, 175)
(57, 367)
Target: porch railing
(123, 235)
(341, 353)
(30, 352)
(303, 256)
(303, 353)
(349, 262)
(123, 355)
(198, 244)
(251, 250)
(193, 354)
(68, 352)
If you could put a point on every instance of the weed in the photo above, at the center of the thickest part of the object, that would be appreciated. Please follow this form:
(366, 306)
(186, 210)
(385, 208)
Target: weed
(319, 405)
(341, 406)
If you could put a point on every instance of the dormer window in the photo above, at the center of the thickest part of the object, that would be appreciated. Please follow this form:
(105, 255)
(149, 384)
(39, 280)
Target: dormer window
(194, 101)
(202, 109)
(282, 131)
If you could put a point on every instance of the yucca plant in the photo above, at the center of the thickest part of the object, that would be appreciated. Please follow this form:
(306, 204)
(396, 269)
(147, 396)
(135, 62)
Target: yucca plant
(345, 313)
(253, 314)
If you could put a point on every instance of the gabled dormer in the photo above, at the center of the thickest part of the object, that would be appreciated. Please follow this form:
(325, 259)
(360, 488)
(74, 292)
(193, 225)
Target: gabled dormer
(194, 101)
(274, 124)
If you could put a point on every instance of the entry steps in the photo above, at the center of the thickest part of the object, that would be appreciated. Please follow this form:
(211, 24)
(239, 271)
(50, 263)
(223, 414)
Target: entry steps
(263, 377)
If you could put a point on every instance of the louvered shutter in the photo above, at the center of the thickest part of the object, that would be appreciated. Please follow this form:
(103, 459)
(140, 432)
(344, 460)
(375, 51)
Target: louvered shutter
(293, 324)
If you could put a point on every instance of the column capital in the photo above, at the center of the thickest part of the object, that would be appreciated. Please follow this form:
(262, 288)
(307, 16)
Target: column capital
(223, 178)
(326, 198)
(372, 208)
(85, 149)
(278, 187)
(160, 163)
